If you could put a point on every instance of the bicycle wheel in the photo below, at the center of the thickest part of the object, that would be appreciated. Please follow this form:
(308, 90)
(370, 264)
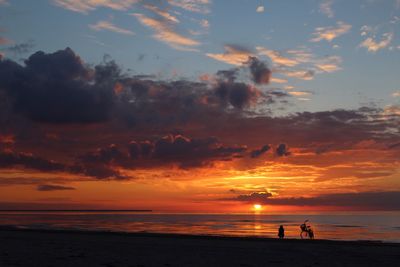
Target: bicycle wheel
(303, 234)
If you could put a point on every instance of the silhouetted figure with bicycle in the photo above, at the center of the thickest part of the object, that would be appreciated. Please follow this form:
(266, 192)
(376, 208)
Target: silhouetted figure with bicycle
(306, 230)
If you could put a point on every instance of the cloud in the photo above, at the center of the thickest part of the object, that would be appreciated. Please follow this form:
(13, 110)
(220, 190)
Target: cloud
(198, 6)
(106, 124)
(29, 161)
(326, 8)
(277, 57)
(239, 95)
(278, 80)
(9, 159)
(300, 63)
(388, 200)
(300, 74)
(299, 93)
(106, 25)
(392, 110)
(21, 48)
(330, 33)
(59, 82)
(373, 46)
(258, 152)
(256, 197)
(4, 2)
(259, 71)
(169, 150)
(162, 13)
(84, 6)
(396, 94)
(260, 9)
(166, 34)
(282, 150)
(49, 187)
(234, 55)
(329, 64)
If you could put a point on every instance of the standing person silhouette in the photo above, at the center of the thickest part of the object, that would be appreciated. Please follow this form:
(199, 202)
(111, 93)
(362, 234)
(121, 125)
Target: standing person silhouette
(281, 232)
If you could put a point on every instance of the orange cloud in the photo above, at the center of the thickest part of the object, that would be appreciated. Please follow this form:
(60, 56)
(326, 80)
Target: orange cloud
(373, 46)
(165, 34)
(84, 6)
(233, 55)
(106, 25)
(330, 33)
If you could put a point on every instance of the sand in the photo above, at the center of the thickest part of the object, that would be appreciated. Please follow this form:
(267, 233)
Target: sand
(73, 248)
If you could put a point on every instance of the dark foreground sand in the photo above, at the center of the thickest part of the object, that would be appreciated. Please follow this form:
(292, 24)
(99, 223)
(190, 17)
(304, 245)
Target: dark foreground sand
(55, 248)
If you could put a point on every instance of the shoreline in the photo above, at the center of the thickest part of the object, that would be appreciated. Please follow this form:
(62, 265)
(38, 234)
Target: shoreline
(11, 228)
(62, 248)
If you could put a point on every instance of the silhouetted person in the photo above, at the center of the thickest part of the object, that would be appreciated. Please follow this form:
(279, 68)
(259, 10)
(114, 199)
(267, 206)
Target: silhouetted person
(311, 233)
(281, 232)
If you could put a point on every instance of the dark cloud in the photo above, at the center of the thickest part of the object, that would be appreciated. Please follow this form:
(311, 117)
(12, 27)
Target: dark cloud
(389, 200)
(104, 155)
(49, 187)
(256, 197)
(57, 93)
(59, 88)
(260, 72)
(282, 150)
(258, 152)
(239, 95)
(10, 159)
(170, 149)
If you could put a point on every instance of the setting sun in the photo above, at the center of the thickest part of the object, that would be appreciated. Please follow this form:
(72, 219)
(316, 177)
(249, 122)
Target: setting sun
(257, 207)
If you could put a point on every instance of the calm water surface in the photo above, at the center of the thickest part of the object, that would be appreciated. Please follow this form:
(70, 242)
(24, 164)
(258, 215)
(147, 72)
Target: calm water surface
(383, 226)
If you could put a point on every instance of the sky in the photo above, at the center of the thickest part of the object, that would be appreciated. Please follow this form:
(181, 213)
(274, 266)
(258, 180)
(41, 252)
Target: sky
(200, 105)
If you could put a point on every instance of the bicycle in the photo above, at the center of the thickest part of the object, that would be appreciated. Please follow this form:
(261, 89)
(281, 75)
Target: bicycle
(306, 230)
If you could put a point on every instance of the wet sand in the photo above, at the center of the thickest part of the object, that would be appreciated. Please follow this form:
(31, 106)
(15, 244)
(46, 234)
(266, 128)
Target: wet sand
(73, 248)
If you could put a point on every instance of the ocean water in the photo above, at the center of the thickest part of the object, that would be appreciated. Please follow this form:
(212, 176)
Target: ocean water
(383, 226)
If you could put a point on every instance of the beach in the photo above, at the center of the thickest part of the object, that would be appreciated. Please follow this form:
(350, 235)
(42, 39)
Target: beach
(82, 248)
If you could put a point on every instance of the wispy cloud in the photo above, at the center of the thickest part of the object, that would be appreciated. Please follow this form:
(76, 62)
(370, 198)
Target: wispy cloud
(329, 64)
(260, 9)
(166, 34)
(233, 55)
(50, 187)
(199, 6)
(396, 94)
(372, 45)
(300, 63)
(330, 33)
(84, 6)
(162, 13)
(300, 74)
(299, 93)
(277, 57)
(108, 26)
(326, 8)
(278, 80)
(4, 2)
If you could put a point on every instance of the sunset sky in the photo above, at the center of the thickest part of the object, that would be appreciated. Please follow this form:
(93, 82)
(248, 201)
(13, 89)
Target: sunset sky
(200, 105)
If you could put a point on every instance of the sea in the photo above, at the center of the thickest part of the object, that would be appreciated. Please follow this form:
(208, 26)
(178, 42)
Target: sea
(372, 226)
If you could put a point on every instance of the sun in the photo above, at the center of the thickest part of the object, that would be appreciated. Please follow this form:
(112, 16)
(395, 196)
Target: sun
(257, 207)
